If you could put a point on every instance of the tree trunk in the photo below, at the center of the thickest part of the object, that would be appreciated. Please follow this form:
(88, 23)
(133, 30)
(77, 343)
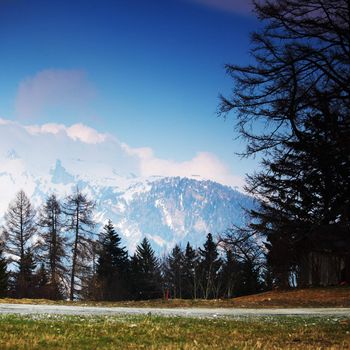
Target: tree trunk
(74, 261)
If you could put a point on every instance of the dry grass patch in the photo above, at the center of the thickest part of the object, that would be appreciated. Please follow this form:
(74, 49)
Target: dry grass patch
(311, 297)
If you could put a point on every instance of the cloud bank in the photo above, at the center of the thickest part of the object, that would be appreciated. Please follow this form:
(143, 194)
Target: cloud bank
(204, 164)
(83, 149)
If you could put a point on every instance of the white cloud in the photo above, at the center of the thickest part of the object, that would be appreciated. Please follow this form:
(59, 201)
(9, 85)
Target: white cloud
(50, 128)
(85, 134)
(78, 132)
(81, 142)
(52, 88)
(204, 164)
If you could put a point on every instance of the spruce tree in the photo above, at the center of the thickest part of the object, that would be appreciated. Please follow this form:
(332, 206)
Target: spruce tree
(79, 211)
(190, 273)
(146, 277)
(174, 271)
(112, 265)
(25, 277)
(209, 266)
(42, 283)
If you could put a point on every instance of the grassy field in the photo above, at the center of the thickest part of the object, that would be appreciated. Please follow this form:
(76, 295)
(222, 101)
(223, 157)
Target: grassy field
(311, 297)
(121, 332)
(152, 332)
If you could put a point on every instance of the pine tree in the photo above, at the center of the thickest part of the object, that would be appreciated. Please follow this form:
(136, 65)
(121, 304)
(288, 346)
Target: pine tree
(4, 275)
(145, 269)
(190, 273)
(79, 211)
(42, 283)
(174, 268)
(209, 266)
(53, 249)
(112, 265)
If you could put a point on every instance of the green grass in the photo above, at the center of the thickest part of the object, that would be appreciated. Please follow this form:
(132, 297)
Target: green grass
(151, 332)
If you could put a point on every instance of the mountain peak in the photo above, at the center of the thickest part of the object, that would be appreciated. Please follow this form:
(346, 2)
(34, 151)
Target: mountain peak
(59, 174)
(12, 154)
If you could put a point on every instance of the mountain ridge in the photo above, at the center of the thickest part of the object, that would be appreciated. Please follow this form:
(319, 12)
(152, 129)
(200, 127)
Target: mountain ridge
(168, 209)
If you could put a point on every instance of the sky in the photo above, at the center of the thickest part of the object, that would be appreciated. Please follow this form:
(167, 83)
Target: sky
(148, 72)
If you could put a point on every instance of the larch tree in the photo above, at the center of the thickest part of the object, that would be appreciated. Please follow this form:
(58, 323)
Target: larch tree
(53, 250)
(19, 237)
(19, 228)
(79, 212)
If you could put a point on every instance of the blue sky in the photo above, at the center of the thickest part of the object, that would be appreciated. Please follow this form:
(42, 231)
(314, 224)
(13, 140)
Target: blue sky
(149, 72)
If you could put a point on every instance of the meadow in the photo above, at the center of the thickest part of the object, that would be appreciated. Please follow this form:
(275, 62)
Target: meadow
(153, 332)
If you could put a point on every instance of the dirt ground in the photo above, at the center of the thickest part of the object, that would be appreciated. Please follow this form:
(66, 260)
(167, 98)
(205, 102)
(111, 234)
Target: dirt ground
(310, 297)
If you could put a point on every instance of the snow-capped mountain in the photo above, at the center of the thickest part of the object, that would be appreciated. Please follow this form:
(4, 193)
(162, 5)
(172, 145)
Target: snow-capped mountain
(168, 210)
(173, 210)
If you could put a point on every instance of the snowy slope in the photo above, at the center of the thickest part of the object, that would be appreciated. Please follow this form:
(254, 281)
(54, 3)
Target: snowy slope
(167, 210)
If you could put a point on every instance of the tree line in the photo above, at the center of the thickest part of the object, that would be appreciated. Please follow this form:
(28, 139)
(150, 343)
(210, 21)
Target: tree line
(54, 253)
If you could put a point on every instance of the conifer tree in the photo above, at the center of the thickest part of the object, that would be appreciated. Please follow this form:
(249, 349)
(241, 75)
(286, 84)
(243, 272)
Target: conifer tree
(4, 275)
(146, 272)
(209, 266)
(19, 231)
(174, 268)
(19, 227)
(25, 277)
(53, 249)
(42, 283)
(250, 283)
(112, 265)
(79, 211)
(190, 273)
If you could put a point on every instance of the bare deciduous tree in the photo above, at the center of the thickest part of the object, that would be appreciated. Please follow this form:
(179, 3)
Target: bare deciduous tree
(79, 211)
